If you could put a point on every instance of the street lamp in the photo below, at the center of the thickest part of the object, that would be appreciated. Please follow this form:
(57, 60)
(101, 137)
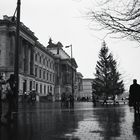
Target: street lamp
(72, 83)
(16, 65)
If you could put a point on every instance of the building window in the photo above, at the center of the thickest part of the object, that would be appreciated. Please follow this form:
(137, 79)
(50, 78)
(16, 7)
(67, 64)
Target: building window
(50, 65)
(36, 87)
(53, 77)
(50, 77)
(44, 89)
(36, 71)
(33, 84)
(53, 66)
(36, 57)
(40, 88)
(30, 85)
(51, 88)
(40, 73)
(47, 63)
(43, 74)
(48, 90)
(44, 61)
(40, 60)
(47, 76)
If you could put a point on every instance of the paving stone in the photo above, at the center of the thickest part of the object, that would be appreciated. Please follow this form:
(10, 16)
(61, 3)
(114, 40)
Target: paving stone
(48, 121)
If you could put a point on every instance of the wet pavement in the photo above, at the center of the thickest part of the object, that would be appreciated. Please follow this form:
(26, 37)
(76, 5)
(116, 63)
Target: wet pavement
(48, 121)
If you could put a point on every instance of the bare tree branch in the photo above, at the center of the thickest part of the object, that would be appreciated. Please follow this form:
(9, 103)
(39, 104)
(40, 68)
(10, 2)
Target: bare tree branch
(125, 20)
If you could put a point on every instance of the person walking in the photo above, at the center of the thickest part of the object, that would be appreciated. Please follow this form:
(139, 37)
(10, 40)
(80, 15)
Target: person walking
(2, 81)
(71, 101)
(63, 99)
(94, 99)
(0, 97)
(134, 96)
(10, 86)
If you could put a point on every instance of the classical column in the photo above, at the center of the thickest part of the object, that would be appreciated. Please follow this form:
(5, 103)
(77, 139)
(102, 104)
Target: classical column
(21, 55)
(26, 58)
(31, 60)
(11, 50)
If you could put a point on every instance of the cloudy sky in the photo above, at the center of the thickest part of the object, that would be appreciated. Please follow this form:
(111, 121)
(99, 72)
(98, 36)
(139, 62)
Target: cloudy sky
(65, 21)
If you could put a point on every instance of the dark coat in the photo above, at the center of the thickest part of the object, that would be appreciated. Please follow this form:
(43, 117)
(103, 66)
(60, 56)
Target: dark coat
(134, 93)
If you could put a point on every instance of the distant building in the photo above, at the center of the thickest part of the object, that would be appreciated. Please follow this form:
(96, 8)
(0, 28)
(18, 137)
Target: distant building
(87, 88)
(78, 84)
(65, 67)
(44, 66)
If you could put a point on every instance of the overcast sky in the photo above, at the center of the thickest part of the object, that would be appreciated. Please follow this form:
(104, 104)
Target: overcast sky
(64, 21)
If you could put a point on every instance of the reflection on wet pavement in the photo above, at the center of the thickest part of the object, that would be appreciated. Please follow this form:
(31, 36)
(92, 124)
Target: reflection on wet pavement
(107, 123)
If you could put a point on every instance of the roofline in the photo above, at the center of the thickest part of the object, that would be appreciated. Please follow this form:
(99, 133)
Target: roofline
(7, 21)
(88, 79)
(43, 48)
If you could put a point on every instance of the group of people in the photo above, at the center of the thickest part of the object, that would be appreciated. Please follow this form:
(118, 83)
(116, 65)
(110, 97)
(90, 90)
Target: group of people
(7, 93)
(7, 87)
(29, 97)
(67, 100)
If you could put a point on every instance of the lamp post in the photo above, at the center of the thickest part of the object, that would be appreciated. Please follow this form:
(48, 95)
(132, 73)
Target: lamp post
(72, 82)
(16, 65)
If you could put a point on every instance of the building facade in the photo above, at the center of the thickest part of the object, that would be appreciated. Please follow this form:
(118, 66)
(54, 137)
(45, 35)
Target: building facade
(44, 68)
(65, 68)
(26, 53)
(87, 89)
(48, 70)
(36, 64)
(78, 85)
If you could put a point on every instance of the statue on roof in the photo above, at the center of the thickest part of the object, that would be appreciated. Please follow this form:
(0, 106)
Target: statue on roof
(50, 41)
(59, 44)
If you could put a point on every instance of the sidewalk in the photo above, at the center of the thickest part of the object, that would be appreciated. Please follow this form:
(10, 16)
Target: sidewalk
(47, 121)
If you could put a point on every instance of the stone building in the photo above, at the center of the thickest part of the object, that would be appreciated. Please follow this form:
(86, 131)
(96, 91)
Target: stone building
(36, 64)
(87, 88)
(78, 85)
(48, 70)
(44, 66)
(65, 68)
(26, 53)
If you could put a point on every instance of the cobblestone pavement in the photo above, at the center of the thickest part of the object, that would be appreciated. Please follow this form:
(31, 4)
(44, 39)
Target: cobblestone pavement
(48, 121)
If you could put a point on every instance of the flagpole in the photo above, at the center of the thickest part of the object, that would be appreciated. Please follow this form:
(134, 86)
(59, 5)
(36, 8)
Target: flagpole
(71, 51)
(16, 65)
(72, 83)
